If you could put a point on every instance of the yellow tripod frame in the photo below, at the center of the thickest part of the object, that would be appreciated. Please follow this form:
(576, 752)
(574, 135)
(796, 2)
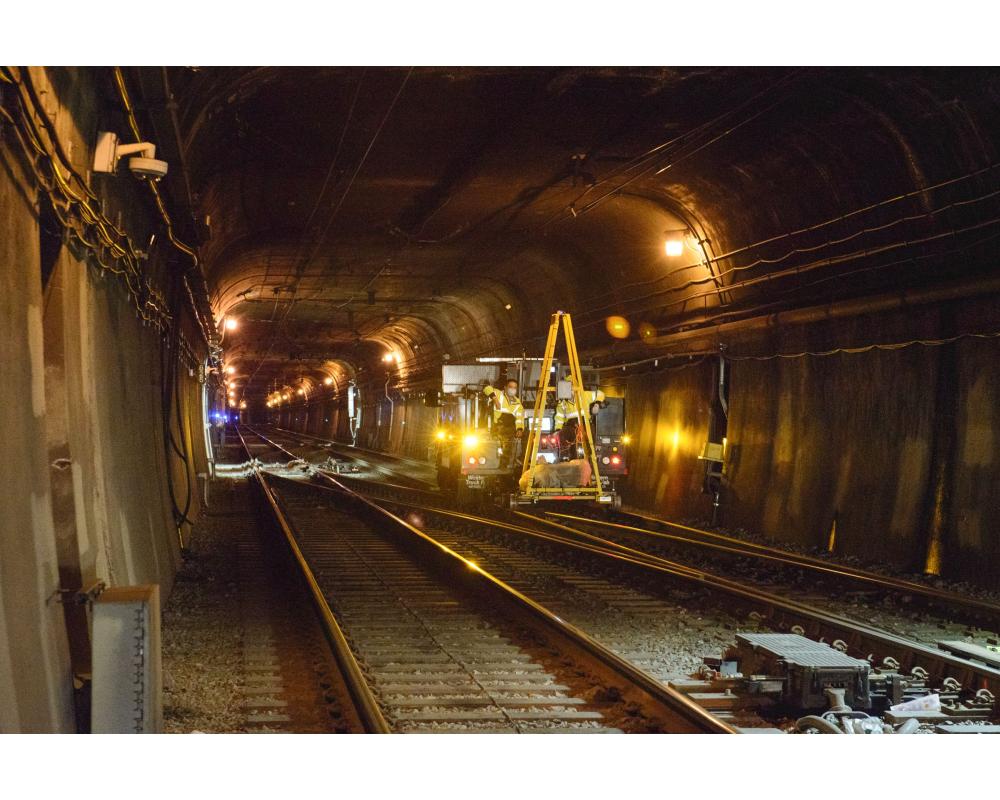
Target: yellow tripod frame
(596, 491)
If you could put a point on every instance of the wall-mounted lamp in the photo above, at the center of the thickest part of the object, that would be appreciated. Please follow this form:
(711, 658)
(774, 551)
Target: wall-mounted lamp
(674, 243)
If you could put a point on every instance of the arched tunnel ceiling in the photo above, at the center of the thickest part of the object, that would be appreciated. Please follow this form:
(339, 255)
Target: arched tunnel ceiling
(451, 210)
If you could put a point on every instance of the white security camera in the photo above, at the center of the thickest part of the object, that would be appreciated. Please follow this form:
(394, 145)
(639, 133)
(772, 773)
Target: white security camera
(144, 165)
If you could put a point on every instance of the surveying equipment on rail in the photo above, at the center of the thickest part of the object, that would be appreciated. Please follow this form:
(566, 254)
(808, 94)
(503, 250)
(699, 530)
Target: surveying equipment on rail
(469, 455)
(580, 478)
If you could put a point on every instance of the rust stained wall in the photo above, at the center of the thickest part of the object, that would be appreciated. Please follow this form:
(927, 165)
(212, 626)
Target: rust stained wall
(667, 414)
(857, 437)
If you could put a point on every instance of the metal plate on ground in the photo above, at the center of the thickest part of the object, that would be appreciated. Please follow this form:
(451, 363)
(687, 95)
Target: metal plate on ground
(972, 651)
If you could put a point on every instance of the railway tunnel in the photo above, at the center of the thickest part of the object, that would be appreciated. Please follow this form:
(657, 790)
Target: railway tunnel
(785, 278)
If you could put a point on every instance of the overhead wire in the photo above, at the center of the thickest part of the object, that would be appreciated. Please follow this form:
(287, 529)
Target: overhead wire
(662, 151)
(808, 266)
(811, 228)
(320, 239)
(865, 348)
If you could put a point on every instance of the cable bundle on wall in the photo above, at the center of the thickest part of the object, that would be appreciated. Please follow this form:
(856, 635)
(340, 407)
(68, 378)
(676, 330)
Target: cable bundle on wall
(205, 327)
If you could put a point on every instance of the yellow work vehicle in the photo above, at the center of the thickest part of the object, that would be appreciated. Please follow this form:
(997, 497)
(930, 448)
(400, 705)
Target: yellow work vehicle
(471, 463)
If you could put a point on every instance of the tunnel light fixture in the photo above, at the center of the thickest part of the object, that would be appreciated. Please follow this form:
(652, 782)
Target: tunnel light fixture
(243, 404)
(618, 327)
(328, 381)
(674, 243)
(508, 306)
(230, 370)
(626, 439)
(231, 324)
(232, 404)
(302, 391)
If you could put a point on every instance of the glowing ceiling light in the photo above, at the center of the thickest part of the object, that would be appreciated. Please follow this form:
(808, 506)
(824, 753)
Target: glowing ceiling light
(232, 404)
(302, 391)
(328, 381)
(230, 370)
(674, 243)
(618, 327)
(231, 323)
(243, 404)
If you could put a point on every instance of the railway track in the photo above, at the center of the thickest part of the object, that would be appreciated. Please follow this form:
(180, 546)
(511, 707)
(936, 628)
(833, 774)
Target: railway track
(436, 643)
(670, 539)
(891, 651)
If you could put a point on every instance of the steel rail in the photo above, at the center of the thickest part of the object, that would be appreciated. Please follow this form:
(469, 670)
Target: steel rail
(982, 609)
(361, 694)
(673, 704)
(859, 637)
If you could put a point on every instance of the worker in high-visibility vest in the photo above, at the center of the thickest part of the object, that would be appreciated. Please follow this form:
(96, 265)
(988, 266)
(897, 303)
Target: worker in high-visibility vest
(567, 423)
(508, 418)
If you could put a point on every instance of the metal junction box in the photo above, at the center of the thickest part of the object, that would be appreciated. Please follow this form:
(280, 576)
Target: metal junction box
(808, 668)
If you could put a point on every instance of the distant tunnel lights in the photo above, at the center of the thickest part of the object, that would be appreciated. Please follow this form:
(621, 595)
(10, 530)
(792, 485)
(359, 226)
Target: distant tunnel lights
(328, 381)
(231, 323)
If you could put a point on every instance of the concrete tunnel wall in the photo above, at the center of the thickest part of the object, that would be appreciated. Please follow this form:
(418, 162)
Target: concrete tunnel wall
(84, 472)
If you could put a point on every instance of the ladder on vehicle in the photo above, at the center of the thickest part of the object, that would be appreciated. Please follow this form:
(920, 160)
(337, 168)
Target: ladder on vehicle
(595, 491)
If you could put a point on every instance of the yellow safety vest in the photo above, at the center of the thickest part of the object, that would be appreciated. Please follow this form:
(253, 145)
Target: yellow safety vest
(503, 404)
(565, 409)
